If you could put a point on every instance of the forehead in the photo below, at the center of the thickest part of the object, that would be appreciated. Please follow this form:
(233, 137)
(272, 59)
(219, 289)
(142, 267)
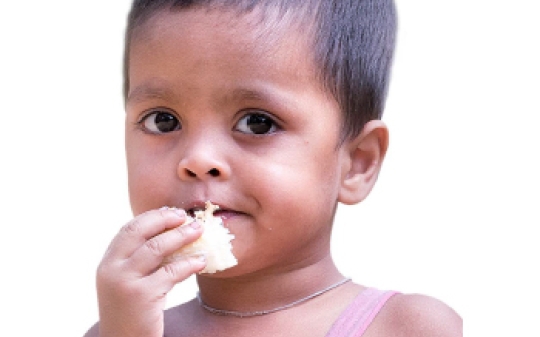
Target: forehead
(264, 34)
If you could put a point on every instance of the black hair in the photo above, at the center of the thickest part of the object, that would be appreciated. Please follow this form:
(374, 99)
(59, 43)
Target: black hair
(353, 46)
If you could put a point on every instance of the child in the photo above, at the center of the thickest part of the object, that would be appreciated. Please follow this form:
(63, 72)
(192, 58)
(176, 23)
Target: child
(271, 110)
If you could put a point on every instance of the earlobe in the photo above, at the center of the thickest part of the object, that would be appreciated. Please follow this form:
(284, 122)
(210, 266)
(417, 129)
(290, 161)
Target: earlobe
(363, 157)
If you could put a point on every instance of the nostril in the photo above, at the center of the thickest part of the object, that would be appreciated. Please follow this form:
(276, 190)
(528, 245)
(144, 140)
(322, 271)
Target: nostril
(190, 173)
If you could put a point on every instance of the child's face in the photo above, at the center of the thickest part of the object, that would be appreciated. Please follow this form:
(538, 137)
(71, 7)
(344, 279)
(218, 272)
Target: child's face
(222, 108)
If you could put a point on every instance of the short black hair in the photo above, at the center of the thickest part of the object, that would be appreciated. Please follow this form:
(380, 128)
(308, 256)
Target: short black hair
(353, 46)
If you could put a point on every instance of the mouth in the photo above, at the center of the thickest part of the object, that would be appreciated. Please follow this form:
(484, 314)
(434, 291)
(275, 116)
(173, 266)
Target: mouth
(220, 211)
(191, 211)
(208, 207)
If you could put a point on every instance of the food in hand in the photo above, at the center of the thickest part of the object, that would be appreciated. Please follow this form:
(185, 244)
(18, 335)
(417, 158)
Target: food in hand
(214, 243)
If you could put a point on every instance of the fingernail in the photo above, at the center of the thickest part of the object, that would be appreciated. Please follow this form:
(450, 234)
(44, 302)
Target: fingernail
(195, 224)
(180, 212)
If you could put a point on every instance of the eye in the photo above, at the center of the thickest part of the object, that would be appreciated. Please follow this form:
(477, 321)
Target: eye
(256, 123)
(160, 122)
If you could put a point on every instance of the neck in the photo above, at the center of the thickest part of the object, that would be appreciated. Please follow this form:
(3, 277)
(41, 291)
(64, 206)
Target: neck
(264, 291)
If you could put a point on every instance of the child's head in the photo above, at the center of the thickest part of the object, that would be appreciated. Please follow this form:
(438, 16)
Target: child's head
(260, 108)
(352, 43)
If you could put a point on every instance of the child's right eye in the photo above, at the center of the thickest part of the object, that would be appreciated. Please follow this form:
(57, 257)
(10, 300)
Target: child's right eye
(160, 122)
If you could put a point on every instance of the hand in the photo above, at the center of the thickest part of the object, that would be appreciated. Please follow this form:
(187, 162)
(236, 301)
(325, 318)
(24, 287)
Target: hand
(132, 282)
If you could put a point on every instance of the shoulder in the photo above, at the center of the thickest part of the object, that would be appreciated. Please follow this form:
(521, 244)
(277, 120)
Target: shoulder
(419, 315)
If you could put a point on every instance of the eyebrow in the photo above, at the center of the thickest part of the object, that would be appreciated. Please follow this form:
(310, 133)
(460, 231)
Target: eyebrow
(271, 96)
(248, 94)
(148, 90)
(156, 89)
(258, 93)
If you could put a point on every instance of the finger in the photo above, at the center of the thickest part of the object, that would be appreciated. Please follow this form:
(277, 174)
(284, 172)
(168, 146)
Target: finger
(148, 257)
(143, 227)
(168, 275)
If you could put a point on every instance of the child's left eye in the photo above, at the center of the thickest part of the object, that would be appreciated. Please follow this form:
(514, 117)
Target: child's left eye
(256, 123)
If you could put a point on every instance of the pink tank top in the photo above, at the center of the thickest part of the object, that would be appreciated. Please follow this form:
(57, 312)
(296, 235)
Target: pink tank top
(356, 318)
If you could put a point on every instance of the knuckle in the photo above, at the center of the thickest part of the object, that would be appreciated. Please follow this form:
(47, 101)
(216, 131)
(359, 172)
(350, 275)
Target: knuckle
(182, 232)
(132, 228)
(105, 274)
(177, 271)
(101, 272)
(180, 269)
(171, 270)
(154, 246)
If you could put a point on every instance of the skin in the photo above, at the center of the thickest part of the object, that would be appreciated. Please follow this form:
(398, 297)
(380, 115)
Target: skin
(213, 71)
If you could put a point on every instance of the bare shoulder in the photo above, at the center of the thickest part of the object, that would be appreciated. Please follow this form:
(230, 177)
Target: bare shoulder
(420, 315)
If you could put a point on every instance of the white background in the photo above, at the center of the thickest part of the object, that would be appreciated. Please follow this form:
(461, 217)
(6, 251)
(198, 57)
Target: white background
(452, 215)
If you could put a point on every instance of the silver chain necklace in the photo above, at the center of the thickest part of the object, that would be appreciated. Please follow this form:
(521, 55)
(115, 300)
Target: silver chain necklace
(265, 312)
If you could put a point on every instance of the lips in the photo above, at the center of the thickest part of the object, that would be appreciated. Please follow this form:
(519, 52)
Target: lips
(226, 214)
(223, 211)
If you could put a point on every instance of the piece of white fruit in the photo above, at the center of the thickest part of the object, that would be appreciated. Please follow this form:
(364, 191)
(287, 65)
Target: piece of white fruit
(214, 244)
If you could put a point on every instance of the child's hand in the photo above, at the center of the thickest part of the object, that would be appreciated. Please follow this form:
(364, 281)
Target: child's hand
(132, 282)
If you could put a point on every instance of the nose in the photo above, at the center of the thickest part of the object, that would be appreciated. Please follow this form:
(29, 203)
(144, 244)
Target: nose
(203, 164)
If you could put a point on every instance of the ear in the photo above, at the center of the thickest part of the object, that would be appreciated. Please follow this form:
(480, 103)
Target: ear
(362, 160)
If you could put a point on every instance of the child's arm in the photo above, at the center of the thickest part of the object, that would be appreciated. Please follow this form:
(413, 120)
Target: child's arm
(131, 281)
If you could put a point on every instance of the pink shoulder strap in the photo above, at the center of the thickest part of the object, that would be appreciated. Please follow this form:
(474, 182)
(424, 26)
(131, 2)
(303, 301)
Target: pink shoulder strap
(356, 318)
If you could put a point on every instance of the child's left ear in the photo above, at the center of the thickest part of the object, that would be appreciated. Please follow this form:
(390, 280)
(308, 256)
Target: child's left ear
(363, 157)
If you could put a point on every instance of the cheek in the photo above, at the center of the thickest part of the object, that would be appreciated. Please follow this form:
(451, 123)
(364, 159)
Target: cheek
(303, 180)
(141, 188)
(149, 181)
